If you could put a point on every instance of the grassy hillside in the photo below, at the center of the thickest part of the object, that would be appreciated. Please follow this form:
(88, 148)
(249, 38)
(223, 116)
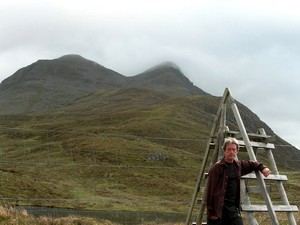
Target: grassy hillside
(113, 150)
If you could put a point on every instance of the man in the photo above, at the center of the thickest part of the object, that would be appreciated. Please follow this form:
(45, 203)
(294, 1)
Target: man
(223, 187)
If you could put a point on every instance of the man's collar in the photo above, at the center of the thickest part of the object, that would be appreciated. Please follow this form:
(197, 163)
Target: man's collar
(223, 162)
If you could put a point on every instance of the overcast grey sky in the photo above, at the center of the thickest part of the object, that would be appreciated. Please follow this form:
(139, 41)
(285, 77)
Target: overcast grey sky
(251, 47)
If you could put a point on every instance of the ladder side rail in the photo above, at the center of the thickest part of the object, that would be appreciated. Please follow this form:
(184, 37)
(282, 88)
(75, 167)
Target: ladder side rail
(204, 161)
(221, 132)
(280, 186)
(199, 219)
(253, 157)
(246, 200)
(219, 112)
(198, 182)
(215, 156)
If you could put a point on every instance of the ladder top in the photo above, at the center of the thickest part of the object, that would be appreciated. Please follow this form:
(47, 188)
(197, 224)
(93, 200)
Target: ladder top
(252, 136)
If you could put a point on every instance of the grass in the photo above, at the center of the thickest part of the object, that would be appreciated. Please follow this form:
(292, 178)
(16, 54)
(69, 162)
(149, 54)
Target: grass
(132, 154)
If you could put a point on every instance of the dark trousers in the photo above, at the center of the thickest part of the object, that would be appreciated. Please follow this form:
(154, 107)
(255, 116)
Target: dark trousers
(230, 216)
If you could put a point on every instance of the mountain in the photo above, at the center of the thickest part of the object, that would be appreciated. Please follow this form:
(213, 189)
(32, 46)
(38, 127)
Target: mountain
(48, 84)
(74, 81)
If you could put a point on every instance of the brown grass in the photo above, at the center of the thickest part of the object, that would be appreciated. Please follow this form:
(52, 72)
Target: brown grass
(11, 216)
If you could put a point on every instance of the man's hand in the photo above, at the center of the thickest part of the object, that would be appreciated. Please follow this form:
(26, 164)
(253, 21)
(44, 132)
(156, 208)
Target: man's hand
(266, 172)
(213, 217)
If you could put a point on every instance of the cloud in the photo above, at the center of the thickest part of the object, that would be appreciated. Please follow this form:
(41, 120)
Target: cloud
(247, 46)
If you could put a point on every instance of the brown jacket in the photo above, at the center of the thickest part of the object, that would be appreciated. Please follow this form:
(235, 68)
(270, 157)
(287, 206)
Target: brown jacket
(217, 183)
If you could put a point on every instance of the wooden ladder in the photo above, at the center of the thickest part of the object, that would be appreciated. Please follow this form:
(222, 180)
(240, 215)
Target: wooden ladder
(252, 143)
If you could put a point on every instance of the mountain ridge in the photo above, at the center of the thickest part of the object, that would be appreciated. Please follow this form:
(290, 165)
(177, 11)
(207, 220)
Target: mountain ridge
(55, 83)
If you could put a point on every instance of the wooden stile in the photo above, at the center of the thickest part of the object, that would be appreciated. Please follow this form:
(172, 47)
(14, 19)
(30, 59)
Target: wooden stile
(251, 142)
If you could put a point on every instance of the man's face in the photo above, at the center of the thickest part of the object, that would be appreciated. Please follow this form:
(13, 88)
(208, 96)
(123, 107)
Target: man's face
(230, 152)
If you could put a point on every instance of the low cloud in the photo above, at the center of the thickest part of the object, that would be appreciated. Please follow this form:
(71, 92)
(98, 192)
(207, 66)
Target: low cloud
(249, 47)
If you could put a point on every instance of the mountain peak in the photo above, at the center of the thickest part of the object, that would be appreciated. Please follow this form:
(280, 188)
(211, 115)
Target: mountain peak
(165, 66)
(70, 56)
(76, 59)
(166, 78)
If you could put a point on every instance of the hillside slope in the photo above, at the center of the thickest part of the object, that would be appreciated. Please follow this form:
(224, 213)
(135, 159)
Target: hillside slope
(125, 149)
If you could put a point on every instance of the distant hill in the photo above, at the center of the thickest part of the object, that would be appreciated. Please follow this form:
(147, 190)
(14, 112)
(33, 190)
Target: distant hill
(48, 84)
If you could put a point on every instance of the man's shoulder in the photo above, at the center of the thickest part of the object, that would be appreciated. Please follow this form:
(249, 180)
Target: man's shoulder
(246, 161)
(219, 163)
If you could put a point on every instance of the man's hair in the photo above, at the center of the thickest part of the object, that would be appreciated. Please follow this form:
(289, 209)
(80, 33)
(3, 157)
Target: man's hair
(230, 140)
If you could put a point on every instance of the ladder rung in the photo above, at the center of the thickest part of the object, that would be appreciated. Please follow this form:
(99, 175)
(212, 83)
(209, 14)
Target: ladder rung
(263, 208)
(262, 138)
(253, 176)
(232, 133)
(252, 136)
(257, 144)
(270, 177)
(257, 189)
